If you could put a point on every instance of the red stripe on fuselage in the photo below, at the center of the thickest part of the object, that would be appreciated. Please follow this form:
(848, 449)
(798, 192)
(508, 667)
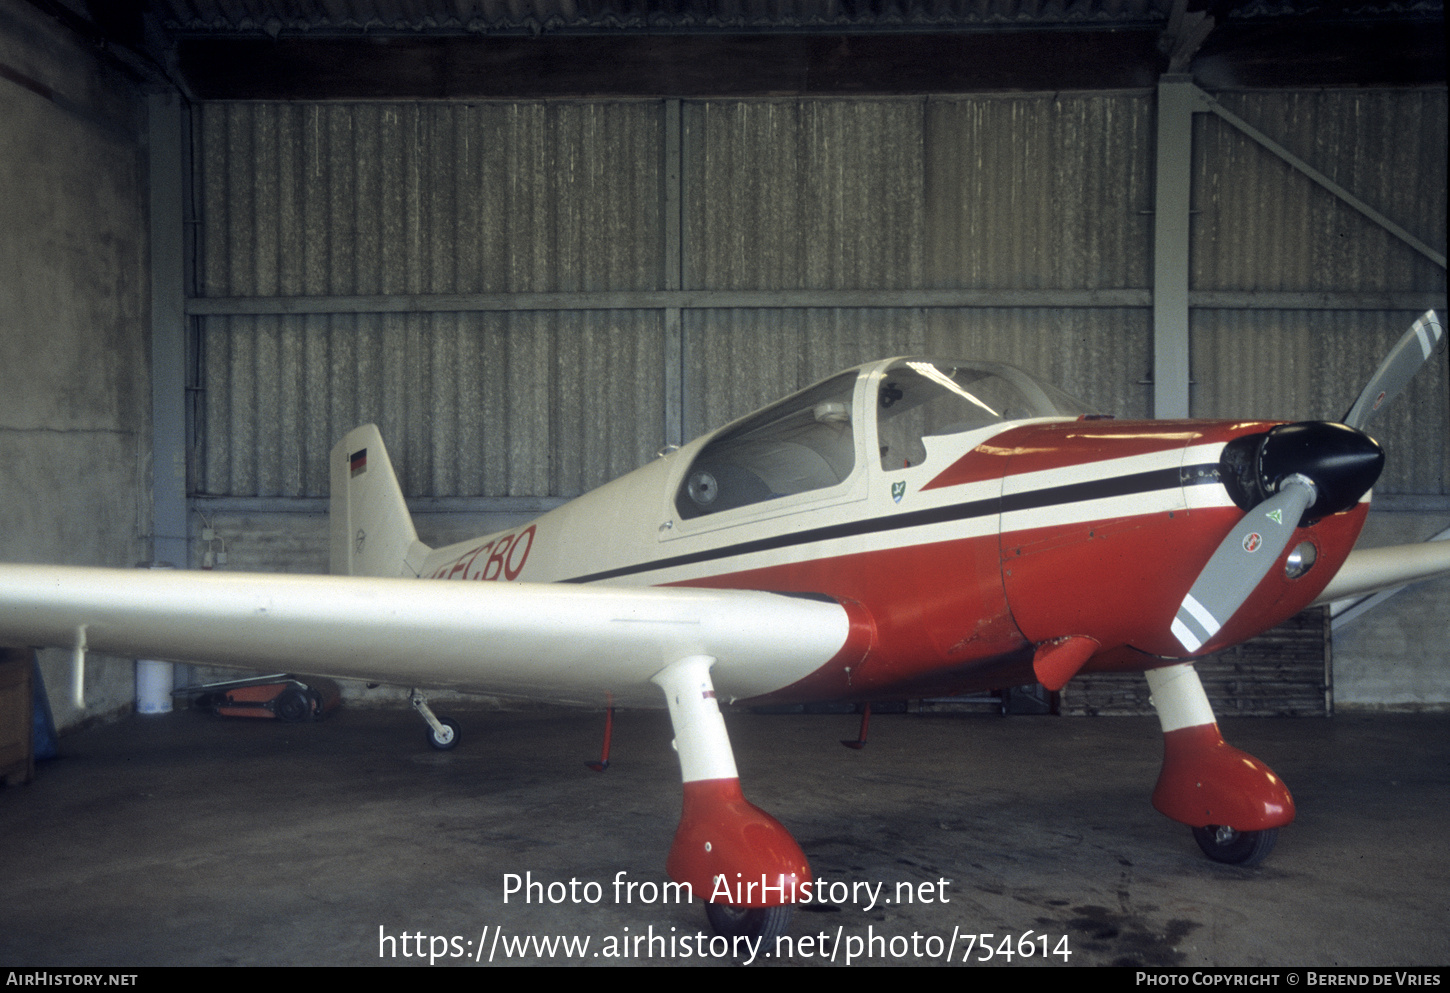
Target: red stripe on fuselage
(1035, 447)
(987, 461)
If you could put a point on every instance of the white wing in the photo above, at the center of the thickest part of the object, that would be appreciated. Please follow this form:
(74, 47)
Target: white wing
(1374, 569)
(555, 642)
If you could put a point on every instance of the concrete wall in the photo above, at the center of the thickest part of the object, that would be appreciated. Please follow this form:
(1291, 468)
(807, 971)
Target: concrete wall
(74, 380)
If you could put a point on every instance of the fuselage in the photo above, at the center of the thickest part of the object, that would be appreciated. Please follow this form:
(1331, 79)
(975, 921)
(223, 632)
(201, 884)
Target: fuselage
(957, 546)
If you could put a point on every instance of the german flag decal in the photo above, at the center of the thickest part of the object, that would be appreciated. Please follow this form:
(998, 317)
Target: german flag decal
(359, 461)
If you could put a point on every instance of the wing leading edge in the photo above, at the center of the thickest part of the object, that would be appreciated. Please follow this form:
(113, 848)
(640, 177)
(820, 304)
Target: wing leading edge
(543, 641)
(1371, 570)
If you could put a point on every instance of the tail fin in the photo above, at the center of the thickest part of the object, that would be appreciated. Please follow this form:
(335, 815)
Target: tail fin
(372, 531)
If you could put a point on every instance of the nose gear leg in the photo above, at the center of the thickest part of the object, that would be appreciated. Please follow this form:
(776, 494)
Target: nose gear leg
(1234, 802)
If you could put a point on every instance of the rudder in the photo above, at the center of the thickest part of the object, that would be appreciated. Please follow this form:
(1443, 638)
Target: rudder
(372, 531)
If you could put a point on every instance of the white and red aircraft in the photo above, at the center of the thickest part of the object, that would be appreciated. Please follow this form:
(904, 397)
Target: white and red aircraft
(907, 528)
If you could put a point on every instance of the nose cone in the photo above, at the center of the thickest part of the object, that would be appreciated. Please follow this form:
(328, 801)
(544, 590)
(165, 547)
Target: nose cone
(1342, 463)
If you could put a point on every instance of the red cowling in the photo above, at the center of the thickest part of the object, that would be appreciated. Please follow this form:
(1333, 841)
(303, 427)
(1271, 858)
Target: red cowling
(1207, 781)
(730, 851)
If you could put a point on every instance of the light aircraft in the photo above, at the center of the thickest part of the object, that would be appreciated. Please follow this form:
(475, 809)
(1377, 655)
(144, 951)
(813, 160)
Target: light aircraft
(907, 528)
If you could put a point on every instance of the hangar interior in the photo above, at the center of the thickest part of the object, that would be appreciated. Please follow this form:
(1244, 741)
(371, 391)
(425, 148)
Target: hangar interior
(536, 242)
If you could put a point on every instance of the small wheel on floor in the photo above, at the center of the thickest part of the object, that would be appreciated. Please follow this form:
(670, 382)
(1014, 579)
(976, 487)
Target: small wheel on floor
(448, 739)
(1224, 844)
(763, 923)
(293, 705)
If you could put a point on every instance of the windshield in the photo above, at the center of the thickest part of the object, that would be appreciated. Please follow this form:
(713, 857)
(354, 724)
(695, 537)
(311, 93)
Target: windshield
(920, 399)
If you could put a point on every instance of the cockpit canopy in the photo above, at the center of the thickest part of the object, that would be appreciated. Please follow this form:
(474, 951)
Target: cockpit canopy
(805, 442)
(919, 399)
(808, 441)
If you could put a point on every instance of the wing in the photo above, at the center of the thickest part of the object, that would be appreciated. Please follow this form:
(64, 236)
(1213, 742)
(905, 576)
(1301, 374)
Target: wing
(544, 641)
(1375, 569)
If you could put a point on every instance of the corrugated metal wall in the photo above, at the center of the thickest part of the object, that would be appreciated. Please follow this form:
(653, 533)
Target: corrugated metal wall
(471, 404)
(804, 194)
(1032, 192)
(408, 199)
(1040, 192)
(1101, 355)
(1019, 193)
(1261, 226)
(429, 198)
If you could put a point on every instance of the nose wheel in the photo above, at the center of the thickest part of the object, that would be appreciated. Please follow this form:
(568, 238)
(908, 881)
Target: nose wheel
(756, 923)
(1224, 844)
(1206, 779)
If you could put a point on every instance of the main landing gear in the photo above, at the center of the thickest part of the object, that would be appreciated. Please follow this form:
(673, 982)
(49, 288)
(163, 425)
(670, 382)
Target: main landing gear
(737, 857)
(442, 731)
(1233, 802)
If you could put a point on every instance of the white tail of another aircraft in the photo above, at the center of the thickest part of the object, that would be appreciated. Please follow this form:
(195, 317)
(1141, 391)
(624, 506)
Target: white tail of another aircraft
(372, 531)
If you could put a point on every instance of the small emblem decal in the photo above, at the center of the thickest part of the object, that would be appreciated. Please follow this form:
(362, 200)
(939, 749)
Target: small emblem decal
(359, 462)
(1252, 541)
(898, 490)
(1276, 515)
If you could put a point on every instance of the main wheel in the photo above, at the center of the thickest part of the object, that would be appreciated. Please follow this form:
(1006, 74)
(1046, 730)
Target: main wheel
(448, 739)
(763, 923)
(1224, 844)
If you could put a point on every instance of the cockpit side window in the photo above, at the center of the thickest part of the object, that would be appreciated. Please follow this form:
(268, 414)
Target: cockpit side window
(805, 442)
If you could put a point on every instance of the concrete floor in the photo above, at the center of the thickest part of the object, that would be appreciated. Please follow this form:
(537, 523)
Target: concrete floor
(190, 839)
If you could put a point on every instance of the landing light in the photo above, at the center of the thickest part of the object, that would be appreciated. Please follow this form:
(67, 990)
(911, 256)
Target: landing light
(1301, 559)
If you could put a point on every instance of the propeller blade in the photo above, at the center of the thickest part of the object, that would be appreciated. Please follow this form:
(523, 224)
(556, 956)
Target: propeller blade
(1398, 368)
(1241, 560)
(1312, 466)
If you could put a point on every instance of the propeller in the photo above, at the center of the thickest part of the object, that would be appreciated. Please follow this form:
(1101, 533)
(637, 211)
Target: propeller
(1291, 476)
(1398, 368)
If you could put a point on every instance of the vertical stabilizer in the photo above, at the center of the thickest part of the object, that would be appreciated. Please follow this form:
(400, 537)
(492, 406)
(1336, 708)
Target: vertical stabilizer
(372, 531)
